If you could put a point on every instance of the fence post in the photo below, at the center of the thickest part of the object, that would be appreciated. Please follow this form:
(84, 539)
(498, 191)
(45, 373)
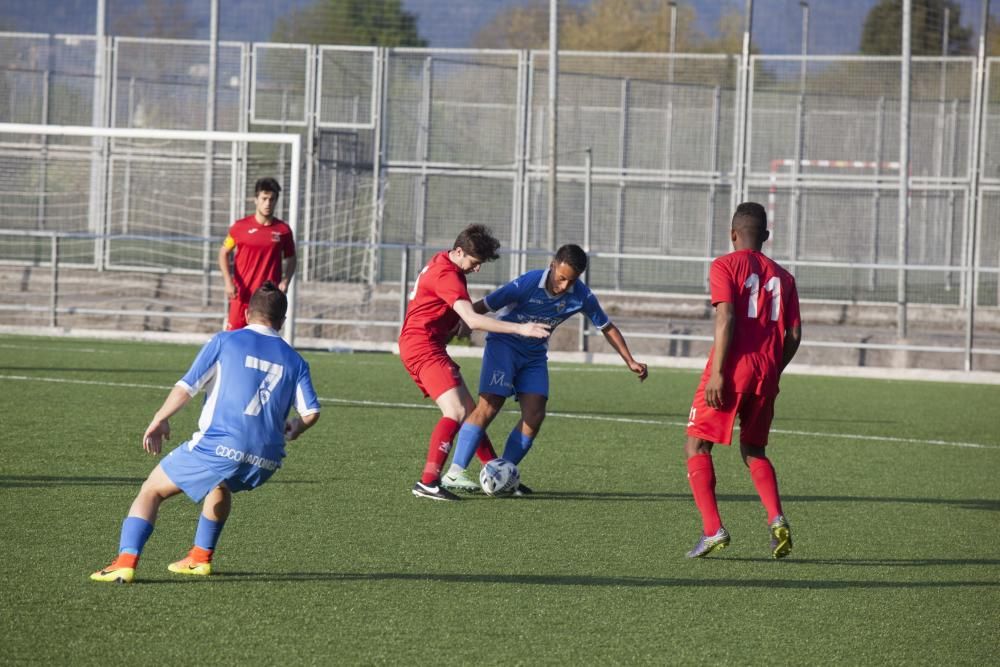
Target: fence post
(743, 111)
(404, 283)
(903, 222)
(976, 192)
(588, 175)
(877, 194)
(54, 294)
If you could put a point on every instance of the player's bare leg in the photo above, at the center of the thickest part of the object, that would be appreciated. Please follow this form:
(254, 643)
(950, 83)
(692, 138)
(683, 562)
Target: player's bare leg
(471, 438)
(214, 512)
(523, 435)
(701, 477)
(766, 482)
(137, 527)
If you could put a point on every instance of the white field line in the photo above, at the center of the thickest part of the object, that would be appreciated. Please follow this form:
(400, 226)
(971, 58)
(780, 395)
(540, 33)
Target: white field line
(34, 348)
(621, 420)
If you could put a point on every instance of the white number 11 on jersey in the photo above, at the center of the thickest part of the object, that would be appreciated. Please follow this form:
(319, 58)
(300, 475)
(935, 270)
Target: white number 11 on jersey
(773, 286)
(272, 375)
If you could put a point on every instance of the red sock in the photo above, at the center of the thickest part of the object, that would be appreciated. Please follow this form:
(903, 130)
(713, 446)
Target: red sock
(766, 483)
(485, 451)
(440, 445)
(701, 477)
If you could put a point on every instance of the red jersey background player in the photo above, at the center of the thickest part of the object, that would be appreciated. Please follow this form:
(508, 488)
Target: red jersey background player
(757, 332)
(439, 302)
(262, 244)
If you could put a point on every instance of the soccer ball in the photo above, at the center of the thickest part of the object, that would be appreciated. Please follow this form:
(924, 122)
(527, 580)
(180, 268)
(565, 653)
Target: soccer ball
(499, 477)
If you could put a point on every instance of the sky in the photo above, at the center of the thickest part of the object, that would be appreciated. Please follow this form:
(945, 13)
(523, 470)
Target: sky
(835, 25)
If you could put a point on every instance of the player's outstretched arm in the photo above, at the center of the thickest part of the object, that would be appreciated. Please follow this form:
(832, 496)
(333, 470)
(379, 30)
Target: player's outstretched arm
(615, 338)
(296, 426)
(159, 428)
(483, 323)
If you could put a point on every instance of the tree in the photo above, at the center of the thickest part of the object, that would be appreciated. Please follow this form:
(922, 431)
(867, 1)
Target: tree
(610, 25)
(882, 31)
(350, 22)
(993, 38)
(155, 18)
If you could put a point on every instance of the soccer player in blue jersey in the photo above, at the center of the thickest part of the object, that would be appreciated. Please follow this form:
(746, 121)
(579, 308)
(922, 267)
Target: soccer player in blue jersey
(251, 378)
(517, 365)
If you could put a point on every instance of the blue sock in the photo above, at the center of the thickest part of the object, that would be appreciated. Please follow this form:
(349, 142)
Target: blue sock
(207, 535)
(135, 532)
(517, 446)
(465, 446)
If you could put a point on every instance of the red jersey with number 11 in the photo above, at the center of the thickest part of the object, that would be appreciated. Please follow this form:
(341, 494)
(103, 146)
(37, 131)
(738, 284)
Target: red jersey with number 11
(766, 305)
(429, 316)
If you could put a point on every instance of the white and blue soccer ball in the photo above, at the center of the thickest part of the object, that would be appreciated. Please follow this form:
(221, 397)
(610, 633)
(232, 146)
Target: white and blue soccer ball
(499, 477)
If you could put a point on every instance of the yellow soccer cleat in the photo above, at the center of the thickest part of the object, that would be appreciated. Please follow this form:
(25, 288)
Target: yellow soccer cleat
(114, 575)
(781, 537)
(192, 567)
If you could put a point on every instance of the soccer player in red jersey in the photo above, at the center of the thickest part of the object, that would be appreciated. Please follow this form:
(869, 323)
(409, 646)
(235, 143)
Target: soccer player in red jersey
(439, 302)
(757, 332)
(262, 244)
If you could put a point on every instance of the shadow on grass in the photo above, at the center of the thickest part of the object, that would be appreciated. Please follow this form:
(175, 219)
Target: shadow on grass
(42, 481)
(876, 562)
(964, 503)
(572, 580)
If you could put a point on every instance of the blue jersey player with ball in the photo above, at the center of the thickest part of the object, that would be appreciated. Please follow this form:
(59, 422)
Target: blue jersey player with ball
(251, 379)
(515, 365)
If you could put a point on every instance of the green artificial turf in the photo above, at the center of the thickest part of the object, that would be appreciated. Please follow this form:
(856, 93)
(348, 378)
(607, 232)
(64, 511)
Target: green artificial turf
(334, 561)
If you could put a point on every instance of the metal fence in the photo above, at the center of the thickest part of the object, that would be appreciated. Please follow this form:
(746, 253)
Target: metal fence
(403, 147)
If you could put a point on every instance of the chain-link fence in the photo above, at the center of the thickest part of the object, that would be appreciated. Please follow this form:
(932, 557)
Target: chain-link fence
(404, 147)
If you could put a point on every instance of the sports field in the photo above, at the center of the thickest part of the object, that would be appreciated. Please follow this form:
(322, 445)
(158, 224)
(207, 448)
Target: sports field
(891, 487)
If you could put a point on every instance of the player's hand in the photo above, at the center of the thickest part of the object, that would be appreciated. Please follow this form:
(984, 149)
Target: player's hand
(230, 290)
(293, 429)
(713, 391)
(283, 285)
(639, 369)
(534, 330)
(156, 433)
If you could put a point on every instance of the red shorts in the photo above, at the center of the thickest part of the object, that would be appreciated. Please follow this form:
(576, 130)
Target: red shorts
(237, 315)
(434, 373)
(755, 413)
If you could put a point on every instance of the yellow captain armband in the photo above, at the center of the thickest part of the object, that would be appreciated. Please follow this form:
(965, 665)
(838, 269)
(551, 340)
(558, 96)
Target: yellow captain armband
(229, 243)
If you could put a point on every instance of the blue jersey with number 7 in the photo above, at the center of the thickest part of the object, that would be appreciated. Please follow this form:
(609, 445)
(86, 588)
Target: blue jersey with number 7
(251, 378)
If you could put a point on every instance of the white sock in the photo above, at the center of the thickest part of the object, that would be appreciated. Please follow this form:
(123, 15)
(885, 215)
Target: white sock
(455, 470)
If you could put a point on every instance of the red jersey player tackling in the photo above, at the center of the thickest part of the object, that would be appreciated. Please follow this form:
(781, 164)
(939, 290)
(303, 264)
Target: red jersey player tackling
(439, 301)
(757, 332)
(261, 242)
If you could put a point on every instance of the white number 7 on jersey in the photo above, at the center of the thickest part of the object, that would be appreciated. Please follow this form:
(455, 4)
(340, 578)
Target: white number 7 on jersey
(263, 394)
(773, 286)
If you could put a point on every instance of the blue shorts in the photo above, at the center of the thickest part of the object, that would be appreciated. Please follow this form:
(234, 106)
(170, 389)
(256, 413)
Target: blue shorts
(507, 371)
(196, 473)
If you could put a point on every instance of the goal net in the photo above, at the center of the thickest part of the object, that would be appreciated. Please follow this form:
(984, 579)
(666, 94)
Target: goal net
(111, 229)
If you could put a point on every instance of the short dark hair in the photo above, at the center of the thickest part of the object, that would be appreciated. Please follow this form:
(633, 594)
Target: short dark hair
(270, 303)
(752, 212)
(573, 255)
(478, 241)
(266, 184)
